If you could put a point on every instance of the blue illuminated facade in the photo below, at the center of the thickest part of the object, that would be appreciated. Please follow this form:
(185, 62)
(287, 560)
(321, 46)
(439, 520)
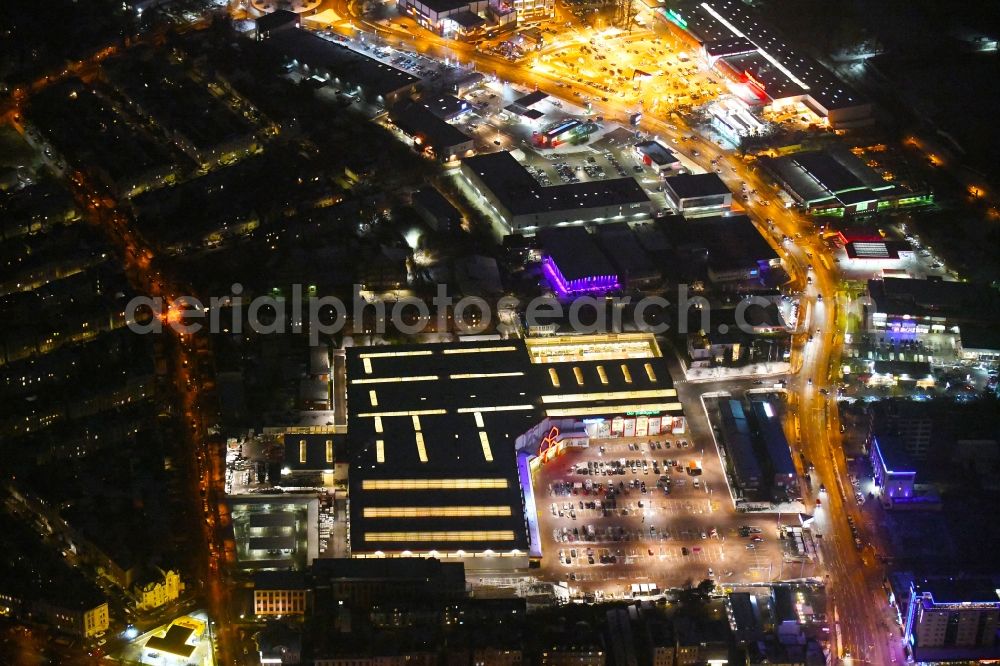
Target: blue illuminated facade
(952, 619)
(894, 473)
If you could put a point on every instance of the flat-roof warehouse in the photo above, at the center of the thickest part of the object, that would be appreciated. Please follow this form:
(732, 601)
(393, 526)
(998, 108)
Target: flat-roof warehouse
(376, 80)
(574, 263)
(922, 303)
(702, 193)
(740, 45)
(523, 204)
(833, 181)
(430, 131)
(440, 436)
(731, 248)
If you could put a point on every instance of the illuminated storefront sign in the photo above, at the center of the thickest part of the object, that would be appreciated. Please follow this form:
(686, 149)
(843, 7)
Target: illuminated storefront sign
(549, 447)
(674, 17)
(752, 80)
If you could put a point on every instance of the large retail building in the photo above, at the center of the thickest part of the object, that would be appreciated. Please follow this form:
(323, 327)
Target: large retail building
(737, 42)
(521, 203)
(442, 439)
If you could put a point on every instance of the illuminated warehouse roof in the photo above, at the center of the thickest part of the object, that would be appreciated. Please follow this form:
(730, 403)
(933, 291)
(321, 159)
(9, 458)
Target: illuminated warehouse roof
(518, 195)
(432, 431)
(724, 27)
(816, 177)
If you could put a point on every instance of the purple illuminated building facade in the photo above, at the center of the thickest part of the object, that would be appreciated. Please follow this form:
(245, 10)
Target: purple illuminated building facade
(573, 263)
(590, 284)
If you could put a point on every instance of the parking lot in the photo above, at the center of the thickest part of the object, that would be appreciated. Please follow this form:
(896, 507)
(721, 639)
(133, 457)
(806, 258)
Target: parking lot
(617, 65)
(647, 510)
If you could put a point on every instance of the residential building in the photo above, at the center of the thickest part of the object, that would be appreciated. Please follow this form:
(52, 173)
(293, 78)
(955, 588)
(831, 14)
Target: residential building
(893, 469)
(158, 588)
(279, 593)
(952, 619)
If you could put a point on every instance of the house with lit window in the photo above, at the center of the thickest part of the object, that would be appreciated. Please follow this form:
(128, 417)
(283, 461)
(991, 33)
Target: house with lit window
(157, 588)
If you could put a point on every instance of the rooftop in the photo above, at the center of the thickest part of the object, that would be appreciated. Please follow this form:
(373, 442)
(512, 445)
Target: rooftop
(403, 568)
(738, 444)
(783, 71)
(353, 67)
(173, 642)
(445, 107)
(530, 99)
(275, 19)
(773, 436)
(467, 19)
(436, 204)
(689, 186)
(958, 590)
(312, 451)
(893, 454)
(521, 194)
(575, 252)
(967, 301)
(418, 120)
(985, 338)
(729, 46)
(657, 152)
(629, 258)
(442, 6)
(820, 176)
(279, 580)
(880, 249)
(731, 242)
(433, 430)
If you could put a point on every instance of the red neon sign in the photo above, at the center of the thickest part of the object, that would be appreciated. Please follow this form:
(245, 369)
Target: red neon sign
(547, 447)
(753, 80)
